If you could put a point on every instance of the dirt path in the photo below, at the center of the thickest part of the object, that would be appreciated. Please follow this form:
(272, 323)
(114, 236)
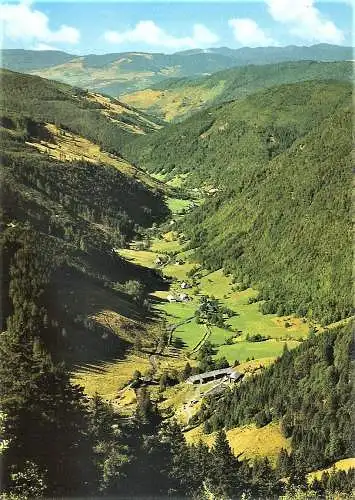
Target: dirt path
(153, 362)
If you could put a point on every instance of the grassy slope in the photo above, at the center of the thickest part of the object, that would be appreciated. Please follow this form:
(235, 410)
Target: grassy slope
(104, 121)
(81, 125)
(108, 378)
(67, 146)
(181, 97)
(345, 464)
(249, 441)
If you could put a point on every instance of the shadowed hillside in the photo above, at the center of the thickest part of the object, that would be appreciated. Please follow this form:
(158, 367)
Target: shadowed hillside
(65, 211)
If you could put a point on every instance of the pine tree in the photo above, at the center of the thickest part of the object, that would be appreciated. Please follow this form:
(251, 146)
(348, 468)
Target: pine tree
(178, 469)
(264, 481)
(147, 414)
(225, 467)
(45, 419)
(200, 466)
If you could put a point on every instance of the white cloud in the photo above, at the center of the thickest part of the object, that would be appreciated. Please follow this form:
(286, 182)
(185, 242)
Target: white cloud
(22, 22)
(305, 20)
(151, 34)
(248, 33)
(44, 46)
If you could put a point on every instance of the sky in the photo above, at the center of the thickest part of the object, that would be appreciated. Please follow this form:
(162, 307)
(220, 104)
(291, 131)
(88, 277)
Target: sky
(113, 26)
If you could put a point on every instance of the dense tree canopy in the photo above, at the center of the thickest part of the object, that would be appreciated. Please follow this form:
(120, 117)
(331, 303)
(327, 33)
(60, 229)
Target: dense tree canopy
(309, 390)
(283, 204)
(279, 165)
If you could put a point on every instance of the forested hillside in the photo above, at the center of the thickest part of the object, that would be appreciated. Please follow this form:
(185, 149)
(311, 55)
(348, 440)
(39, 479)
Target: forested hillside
(280, 163)
(177, 98)
(309, 391)
(61, 220)
(105, 121)
(104, 286)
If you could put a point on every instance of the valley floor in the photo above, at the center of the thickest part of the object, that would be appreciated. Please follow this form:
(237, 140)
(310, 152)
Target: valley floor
(186, 336)
(111, 379)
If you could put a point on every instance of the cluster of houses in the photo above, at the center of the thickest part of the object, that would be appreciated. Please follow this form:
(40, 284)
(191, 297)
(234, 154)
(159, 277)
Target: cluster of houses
(181, 297)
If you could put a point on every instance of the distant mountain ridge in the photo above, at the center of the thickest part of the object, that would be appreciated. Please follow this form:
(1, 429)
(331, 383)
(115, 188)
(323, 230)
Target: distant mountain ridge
(119, 73)
(177, 98)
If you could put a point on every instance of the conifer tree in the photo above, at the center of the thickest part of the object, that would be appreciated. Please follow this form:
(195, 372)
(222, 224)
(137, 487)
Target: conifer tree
(225, 468)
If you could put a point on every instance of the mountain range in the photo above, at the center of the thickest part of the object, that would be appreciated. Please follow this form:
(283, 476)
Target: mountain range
(119, 73)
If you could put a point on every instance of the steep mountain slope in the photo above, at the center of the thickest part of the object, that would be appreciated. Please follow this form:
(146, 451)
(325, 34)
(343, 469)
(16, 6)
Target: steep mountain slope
(309, 390)
(103, 120)
(119, 73)
(279, 166)
(177, 98)
(62, 216)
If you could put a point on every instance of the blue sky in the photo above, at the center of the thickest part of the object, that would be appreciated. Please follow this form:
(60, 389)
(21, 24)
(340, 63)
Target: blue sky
(102, 27)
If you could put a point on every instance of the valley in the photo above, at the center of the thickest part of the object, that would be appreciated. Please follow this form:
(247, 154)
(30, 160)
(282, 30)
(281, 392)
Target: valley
(186, 337)
(176, 279)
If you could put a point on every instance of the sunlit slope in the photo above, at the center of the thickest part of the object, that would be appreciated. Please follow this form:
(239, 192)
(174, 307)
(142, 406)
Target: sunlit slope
(104, 120)
(177, 98)
(70, 124)
(66, 146)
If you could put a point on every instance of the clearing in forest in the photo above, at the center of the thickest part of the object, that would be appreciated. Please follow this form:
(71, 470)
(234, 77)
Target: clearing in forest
(250, 441)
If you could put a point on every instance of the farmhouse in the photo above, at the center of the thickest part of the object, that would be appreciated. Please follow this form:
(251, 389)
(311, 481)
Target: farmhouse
(203, 378)
(183, 297)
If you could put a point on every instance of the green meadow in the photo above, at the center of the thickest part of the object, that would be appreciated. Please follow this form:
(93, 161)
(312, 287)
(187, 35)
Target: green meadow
(142, 257)
(190, 334)
(243, 350)
(163, 246)
(177, 205)
(248, 320)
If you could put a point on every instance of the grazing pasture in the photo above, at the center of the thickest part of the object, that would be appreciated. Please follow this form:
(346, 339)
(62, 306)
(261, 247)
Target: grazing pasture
(244, 350)
(249, 440)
